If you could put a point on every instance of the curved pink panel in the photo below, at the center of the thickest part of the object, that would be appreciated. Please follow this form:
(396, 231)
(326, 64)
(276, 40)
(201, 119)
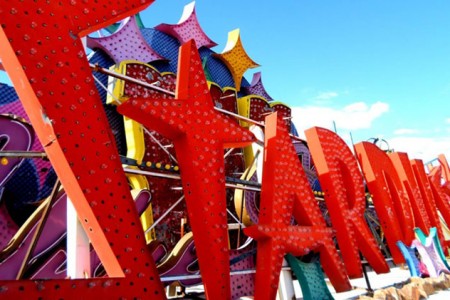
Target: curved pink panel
(15, 135)
(242, 284)
(9, 227)
(127, 43)
(187, 29)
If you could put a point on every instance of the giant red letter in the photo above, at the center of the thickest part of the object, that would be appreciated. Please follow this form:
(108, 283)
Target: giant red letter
(42, 52)
(342, 182)
(199, 134)
(440, 196)
(286, 192)
(389, 197)
(427, 196)
(405, 172)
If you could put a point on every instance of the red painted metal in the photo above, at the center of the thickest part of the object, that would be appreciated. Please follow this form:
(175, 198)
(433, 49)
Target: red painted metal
(428, 199)
(343, 186)
(404, 169)
(163, 196)
(284, 111)
(225, 99)
(199, 135)
(390, 197)
(440, 197)
(286, 193)
(45, 59)
(445, 168)
(259, 108)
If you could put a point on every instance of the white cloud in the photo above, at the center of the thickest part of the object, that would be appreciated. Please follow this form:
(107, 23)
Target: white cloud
(447, 121)
(424, 148)
(405, 131)
(358, 115)
(326, 96)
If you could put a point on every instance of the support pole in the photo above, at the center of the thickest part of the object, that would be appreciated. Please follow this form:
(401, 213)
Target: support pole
(78, 254)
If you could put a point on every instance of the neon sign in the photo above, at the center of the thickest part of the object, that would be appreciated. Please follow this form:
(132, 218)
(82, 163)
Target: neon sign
(43, 55)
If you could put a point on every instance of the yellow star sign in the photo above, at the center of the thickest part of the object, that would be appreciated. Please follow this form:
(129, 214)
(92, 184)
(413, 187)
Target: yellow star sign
(235, 58)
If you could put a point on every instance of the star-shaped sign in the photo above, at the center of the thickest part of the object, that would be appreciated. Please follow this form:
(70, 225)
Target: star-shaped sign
(199, 135)
(187, 28)
(257, 87)
(235, 58)
(285, 193)
(127, 43)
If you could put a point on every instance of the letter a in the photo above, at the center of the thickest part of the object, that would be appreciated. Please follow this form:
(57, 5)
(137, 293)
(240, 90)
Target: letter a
(286, 193)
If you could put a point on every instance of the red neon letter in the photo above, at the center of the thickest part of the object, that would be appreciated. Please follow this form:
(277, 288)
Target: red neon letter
(406, 175)
(427, 196)
(389, 196)
(43, 54)
(342, 182)
(439, 193)
(286, 192)
(199, 134)
(445, 167)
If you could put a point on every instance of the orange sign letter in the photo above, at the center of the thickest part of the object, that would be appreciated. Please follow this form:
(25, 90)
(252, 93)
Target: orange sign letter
(286, 192)
(342, 182)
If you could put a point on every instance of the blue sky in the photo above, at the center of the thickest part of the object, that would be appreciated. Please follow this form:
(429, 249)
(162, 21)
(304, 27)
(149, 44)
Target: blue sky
(377, 68)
